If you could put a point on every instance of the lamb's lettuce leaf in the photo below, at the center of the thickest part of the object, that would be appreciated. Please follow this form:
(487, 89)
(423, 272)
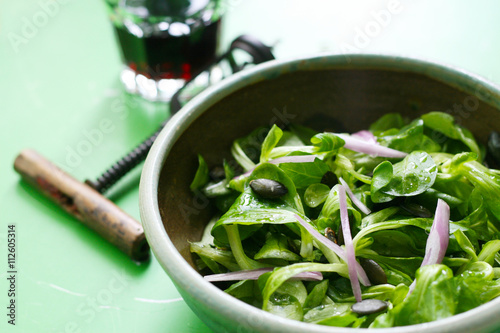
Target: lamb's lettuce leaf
(413, 175)
(445, 123)
(201, 177)
(443, 162)
(305, 174)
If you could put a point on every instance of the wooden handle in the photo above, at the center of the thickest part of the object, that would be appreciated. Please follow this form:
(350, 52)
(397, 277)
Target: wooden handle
(83, 202)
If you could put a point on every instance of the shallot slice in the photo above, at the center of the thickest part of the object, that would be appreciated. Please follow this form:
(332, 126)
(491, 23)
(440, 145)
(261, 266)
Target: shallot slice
(363, 278)
(366, 136)
(354, 199)
(439, 237)
(349, 247)
(374, 149)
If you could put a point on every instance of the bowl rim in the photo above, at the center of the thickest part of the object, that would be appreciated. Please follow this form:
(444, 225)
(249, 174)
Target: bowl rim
(186, 278)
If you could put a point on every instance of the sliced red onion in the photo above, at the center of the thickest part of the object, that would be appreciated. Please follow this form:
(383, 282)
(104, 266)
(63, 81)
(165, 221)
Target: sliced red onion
(308, 276)
(366, 136)
(325, 241)
(349, 247)
(286, 159)
(354, 199)
(335, 248)
(373, 149)
(439, 237)
(254, 274)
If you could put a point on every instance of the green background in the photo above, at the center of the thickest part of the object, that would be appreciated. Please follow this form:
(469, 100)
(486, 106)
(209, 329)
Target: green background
(59, 81)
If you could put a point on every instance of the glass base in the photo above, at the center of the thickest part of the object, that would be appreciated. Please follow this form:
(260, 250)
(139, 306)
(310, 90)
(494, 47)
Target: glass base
(162, 90)
(153, 90)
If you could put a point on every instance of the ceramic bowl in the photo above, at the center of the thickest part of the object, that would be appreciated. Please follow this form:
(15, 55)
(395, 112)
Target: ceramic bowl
(338, 92)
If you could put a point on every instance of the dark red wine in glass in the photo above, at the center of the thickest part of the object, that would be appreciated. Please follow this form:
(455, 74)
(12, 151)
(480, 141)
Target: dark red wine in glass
(164, 43)
(166, 56)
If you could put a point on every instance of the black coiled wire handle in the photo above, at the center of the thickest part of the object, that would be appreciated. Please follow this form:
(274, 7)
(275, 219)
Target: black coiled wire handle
(124, 165)
(255, 48)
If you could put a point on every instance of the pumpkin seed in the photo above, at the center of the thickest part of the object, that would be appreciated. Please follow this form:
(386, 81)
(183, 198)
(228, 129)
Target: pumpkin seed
(416, 209)
(330, 179)
(268, 189)
(330, 234)
(369, 306)
(375, 273)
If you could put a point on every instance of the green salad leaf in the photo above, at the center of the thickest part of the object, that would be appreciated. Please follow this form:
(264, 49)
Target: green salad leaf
(278, 226)
(201, 177)
(271, 140)
(305, 174)
(445, 124)
(413, 175)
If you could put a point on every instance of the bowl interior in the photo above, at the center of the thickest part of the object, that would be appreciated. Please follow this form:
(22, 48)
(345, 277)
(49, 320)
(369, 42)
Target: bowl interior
(335, 99)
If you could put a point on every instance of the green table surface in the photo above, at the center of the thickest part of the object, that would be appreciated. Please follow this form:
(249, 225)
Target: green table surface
(59, 82)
